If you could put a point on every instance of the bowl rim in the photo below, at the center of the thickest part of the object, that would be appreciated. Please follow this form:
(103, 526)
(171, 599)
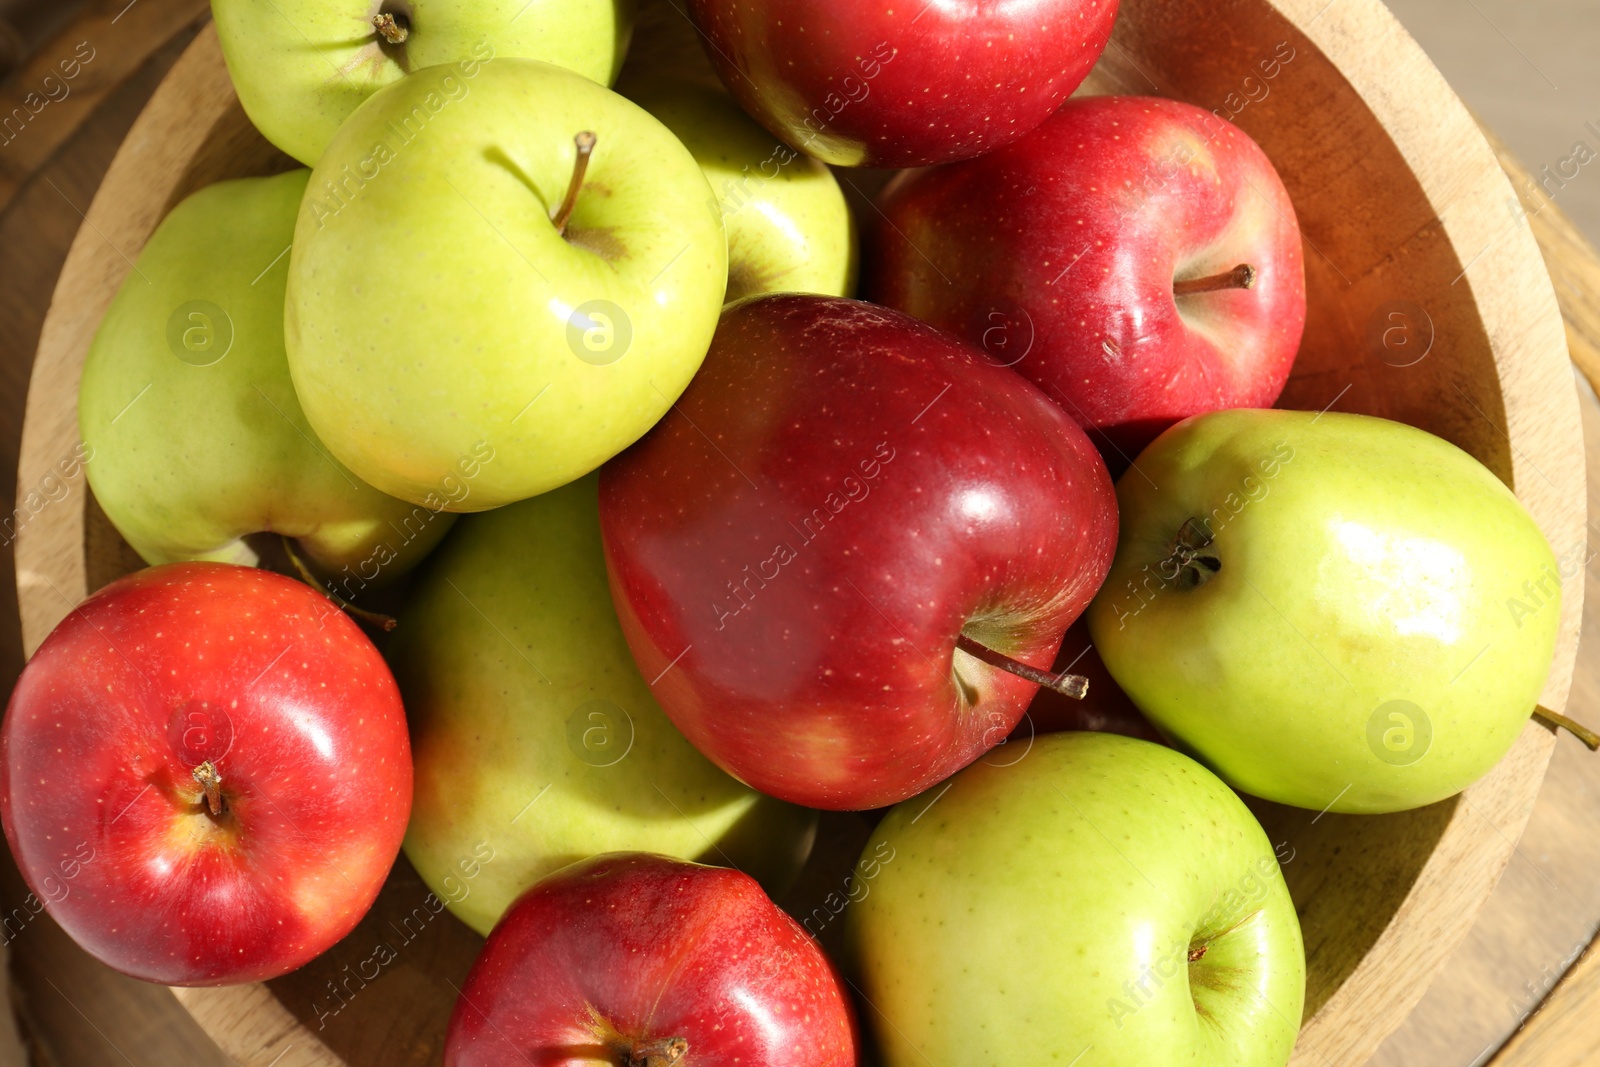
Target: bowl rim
(1458, 173)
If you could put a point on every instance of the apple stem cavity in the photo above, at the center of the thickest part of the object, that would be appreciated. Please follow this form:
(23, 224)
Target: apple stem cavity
(1190, 565)
(371, 618)
(662, 1052)
(1572, 726)
(1075, 686)
(211, 781)
(391, 29)
(1241, 277)
(585, 144)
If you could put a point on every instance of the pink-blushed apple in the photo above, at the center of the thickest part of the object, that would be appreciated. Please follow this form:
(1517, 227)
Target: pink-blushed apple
(902, 85)
(229, 751)
(638, 960)
(1137, 258)
(818, 555)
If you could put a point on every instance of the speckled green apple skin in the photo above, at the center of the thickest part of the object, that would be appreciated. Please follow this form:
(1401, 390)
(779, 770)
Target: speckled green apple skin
(1038, 911)
(434, 309)
(301, 67)
(505, 645)
(789, 228)
(189, 458)
(1363, 562)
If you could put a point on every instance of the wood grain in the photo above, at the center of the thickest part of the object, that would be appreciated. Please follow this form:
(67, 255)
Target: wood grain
(46, 101)
(1398, 196)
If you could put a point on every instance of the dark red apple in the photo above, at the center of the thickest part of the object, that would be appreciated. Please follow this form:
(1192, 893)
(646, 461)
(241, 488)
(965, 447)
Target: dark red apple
(224, 754)
(842, 495)
(902, 84)
(637, 960)
(1137, 258)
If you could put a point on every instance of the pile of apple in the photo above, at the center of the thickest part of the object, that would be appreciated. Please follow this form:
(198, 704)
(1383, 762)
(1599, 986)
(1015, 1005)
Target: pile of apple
(741, 547)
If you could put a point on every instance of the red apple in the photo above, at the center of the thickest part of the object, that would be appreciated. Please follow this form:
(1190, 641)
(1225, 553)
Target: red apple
(902, 84)
(1073, 255)
(843, 495)
(638, 960)
(224, 754)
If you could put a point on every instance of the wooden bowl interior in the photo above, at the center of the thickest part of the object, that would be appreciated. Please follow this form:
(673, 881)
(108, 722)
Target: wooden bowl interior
(1375, 248)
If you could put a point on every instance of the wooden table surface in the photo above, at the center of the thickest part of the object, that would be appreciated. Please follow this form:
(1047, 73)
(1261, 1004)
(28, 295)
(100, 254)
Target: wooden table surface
(1504, 981)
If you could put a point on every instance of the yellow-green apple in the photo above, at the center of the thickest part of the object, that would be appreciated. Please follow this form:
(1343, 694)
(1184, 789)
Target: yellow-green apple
(535, 736)
(536, 268)
(1331, 611)
(1137, 258)
(197, 438)
(902, 85)
(220, 755)
(301, 67)
(817, 557)
(638, 960)
(1104, 899)
(789, 228)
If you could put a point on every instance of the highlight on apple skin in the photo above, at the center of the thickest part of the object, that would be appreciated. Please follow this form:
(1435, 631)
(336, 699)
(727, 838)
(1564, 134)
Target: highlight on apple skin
(197, 437)
(637, 959)
(507, 261)
(1101, 892)
(1137, 258)
(301, 67)
(902, 85)
(221, 756)
(1324, 607)
(843, 495)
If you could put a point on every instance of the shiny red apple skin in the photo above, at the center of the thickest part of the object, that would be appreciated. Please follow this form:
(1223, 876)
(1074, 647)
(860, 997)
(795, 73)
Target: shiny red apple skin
(794, 551)
(1058, 255)
(151, 676)
(632, 947)
(902, 84)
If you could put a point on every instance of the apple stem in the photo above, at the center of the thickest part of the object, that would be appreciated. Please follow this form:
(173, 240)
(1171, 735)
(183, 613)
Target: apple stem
(1573, 727)
(1075, 686)
(390, 28)
(1241, 277)
(211, 781)
(662, 1052)
(371, 618)
(585, 142)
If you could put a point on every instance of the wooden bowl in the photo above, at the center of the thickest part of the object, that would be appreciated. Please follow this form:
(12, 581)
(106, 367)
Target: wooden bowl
(1428, 303)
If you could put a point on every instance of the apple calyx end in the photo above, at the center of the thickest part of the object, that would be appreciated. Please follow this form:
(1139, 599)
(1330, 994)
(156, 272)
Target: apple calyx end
(662, 1052)
(1190, 565)
(1075, 686)
(393, 30)
(1198, 952)
(210, 780)
(584, 142)
(1243, 276)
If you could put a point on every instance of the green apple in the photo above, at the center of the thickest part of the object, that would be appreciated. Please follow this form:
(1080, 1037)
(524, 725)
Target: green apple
(789, 228)
(1331, 611)
(436, 306)
(1101, 901)
(186, 406)
(536, 742)
(301, 67)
